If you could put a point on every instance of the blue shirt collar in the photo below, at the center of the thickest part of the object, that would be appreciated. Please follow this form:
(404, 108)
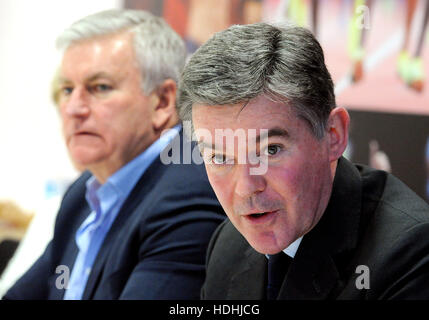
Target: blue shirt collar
(101, 197)
(106, 202)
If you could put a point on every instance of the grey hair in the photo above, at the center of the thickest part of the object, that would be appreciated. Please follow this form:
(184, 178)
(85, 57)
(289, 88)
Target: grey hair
(284, 63)
(160, 51)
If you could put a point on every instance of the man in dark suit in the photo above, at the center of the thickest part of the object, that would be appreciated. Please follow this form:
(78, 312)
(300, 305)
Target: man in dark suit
(133, 226)
(304, 222)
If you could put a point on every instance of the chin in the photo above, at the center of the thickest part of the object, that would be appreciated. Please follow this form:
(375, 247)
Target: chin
(266, 249)
(84, 159)
(270, 242)
(265, 246)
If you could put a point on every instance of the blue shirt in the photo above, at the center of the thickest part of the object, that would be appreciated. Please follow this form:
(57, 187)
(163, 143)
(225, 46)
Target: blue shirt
(106, 201)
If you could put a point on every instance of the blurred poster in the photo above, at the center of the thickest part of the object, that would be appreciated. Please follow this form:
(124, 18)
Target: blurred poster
(394, 142)
(197, 20)
(376, 51)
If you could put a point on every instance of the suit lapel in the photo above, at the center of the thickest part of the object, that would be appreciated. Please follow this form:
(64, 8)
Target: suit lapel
(146, 183)
(311, 276)
(314, 272)
(141, 189)
(65, 235)
(248, 282)
(68, 260)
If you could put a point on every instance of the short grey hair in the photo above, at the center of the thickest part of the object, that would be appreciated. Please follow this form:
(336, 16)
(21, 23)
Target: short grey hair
(160, 51)
(284, 63)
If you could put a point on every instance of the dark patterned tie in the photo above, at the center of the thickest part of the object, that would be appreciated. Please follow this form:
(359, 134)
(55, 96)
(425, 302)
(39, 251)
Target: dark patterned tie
(278, 265)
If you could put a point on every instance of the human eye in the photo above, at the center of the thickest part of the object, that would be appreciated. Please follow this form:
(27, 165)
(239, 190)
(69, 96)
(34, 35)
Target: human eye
(219, 159)
(66, 90)
(61, 93)
(100, 88)
(273, 149)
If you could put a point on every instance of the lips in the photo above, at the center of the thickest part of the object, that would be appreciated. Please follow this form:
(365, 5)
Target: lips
(79, 137)
(260, 217)
(259, 212)
(84, 133)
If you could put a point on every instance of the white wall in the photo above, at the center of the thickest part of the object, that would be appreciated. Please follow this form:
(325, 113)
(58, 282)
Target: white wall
(32, 152)
(31, 145)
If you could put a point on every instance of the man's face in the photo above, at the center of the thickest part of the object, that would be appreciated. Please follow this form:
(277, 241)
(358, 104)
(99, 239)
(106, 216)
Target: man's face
(106, 117)
(294, 190)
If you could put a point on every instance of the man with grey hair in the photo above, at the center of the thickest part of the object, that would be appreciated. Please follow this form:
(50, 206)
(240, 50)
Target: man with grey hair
(131, 226)
(311, 225)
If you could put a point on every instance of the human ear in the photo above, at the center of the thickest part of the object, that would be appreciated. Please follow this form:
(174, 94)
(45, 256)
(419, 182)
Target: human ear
(165, 106)
(338, 132)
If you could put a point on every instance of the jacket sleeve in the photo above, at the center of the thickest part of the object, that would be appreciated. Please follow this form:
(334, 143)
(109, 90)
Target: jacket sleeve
(37, 281)
(33, 285)
(173, 246)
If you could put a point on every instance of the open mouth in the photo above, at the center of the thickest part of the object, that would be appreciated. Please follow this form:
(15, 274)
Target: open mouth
(260, 217)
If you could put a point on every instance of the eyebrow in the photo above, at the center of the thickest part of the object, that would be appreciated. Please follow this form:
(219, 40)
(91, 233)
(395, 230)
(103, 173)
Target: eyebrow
(96, 76)
(273, 132)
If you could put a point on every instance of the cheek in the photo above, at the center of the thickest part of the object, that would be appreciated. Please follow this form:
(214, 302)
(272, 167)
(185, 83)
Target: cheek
(64, 119)
(285, 180)
(297, 185)
(303, 186)
(106, 121)
(223, 189)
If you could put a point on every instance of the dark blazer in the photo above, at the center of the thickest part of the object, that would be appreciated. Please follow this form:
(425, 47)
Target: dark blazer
(372, 219)
(155, 248)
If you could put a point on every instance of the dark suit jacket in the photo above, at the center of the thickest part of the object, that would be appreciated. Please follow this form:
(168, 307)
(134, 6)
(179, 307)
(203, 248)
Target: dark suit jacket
(155, 248)
(372, 219)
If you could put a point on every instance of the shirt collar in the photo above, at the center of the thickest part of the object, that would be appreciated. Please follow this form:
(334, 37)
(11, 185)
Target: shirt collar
(120, 184)
(292, 248)
(126, 177)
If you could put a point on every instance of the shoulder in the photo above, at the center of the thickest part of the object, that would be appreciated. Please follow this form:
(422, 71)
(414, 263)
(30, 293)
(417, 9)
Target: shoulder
(180, 165)
(394, 243)
(391, 198)
(185, 174)
(179, 198)
(183, 184)
(390, 209)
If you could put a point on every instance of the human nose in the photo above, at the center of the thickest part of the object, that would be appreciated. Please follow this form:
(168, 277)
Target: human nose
(248, 184)
(77, 104)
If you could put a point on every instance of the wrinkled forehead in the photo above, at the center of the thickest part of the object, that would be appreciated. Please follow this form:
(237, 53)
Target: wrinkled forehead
(258, 113)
